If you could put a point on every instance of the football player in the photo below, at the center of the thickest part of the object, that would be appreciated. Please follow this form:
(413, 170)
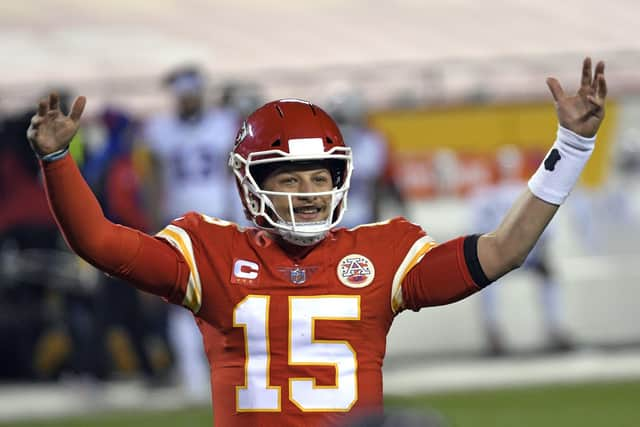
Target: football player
(294, 312)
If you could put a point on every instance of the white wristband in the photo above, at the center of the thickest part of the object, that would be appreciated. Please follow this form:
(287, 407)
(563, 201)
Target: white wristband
(56, 155)
(559, 172)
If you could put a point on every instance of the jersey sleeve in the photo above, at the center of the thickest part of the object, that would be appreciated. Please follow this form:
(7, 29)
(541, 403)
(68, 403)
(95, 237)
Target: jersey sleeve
(446, 273)
(409, 250)
(181, 234)
(197, 237)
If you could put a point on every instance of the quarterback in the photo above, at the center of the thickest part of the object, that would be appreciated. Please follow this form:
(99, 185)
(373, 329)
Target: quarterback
(294, 312)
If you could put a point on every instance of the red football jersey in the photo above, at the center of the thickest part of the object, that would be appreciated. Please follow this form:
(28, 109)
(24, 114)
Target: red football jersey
(294, 342)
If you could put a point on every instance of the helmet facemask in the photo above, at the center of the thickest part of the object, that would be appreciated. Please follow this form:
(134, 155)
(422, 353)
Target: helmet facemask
(250, 174)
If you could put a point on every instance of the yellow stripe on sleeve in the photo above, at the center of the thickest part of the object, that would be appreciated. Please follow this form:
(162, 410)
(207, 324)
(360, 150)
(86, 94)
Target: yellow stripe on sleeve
(180, 239)
(216, 221)
(414, 255)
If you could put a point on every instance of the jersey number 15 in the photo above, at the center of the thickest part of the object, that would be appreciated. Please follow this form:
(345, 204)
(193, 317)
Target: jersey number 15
(252, 314)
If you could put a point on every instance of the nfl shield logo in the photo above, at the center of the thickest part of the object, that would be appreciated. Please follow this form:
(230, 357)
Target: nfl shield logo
(298, 276)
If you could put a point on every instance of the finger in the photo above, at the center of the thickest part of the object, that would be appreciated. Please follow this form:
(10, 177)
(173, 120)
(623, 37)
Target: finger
(36, 120)
(601, 86)
(54, 101)
(587, 77)
(599, 72)
(555, 88)
(43, 106)
(596, 101)
(77, 108)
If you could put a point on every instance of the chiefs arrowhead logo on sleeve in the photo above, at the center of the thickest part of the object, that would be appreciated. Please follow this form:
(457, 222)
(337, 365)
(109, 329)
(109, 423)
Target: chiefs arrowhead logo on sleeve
(356, 271)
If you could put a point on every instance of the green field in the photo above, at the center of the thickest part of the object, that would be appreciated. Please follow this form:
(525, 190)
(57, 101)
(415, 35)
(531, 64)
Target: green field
(586, 405)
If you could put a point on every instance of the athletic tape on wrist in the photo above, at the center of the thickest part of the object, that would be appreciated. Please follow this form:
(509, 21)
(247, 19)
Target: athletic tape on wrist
(558, 174)
(52, 157)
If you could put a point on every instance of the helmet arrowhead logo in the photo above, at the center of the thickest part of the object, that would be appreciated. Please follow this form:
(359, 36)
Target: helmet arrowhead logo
(242, 133)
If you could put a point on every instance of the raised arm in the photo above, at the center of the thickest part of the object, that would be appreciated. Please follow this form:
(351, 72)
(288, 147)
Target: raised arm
(148, 263)
(579, 117)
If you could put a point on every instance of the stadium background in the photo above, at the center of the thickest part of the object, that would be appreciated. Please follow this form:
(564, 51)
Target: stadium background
(461, 75)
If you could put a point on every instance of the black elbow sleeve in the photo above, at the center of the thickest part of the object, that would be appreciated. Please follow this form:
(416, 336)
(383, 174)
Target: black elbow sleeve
(473, 263)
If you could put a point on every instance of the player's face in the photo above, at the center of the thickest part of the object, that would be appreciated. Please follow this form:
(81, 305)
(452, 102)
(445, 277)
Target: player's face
(189, 104)
(301, 180)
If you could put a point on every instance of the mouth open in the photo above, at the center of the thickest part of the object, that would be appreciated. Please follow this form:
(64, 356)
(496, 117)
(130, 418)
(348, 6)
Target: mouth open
(308, 213)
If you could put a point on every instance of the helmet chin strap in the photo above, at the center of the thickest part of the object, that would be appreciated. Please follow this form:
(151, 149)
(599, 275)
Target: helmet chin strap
(302, 238)
(299, 240)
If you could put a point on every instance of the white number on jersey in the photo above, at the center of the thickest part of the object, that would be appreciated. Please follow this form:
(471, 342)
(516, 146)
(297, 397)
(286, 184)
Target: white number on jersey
(252, 314)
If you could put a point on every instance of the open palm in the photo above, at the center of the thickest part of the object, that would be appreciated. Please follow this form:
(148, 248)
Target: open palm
(583, 112)
(50, 129)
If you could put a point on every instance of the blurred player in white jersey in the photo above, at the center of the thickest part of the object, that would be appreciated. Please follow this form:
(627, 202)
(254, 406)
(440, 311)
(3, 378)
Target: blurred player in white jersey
(188, 150)
(488, 206)
(372, 182)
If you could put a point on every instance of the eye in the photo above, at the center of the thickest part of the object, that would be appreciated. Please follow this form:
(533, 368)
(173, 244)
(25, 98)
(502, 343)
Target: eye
(288, 180)
(322, 179)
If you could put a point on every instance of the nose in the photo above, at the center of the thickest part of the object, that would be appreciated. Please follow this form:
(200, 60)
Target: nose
(306, 186)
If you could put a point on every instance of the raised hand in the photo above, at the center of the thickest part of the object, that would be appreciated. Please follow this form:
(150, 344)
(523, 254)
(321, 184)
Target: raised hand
(50, 130)
(583, 112)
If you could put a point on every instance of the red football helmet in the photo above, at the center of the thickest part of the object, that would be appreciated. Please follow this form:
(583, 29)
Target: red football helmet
(289, 130)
